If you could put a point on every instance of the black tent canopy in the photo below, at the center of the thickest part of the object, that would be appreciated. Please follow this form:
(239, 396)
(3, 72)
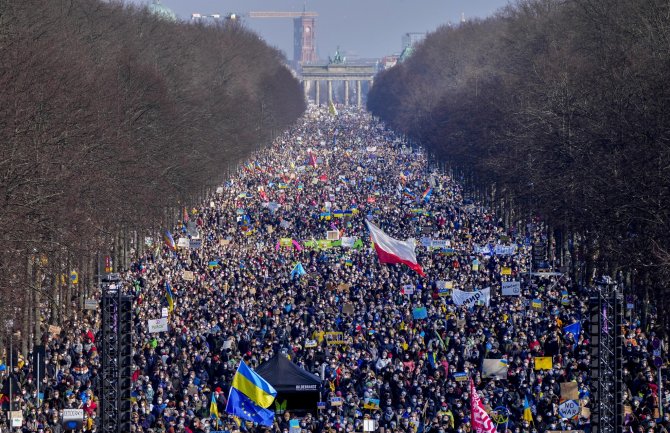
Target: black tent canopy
(296, 387)
(285, 376)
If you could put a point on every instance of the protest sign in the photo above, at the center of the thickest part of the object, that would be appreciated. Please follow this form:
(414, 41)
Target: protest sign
(543, 363)
(158, 325)
(420, 313)
(471, 298)
(536, 304)
(569, 409)
(504, 250)
(511, 288)
(188, 276)
(496, 368)
(569, 391)
(334, 338)
(460, 376)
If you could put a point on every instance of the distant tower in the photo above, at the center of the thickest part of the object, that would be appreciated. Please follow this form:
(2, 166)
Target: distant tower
(462, 17)
(304, 40)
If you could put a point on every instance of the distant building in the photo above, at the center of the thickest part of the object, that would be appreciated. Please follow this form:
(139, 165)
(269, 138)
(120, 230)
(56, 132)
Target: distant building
(163, 12)
(388, 61)
(411, 39)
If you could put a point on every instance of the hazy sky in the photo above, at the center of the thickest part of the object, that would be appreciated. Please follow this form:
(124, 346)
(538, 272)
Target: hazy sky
(362, 28)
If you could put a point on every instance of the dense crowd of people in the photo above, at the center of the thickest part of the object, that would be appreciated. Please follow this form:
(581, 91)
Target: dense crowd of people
(237, 297)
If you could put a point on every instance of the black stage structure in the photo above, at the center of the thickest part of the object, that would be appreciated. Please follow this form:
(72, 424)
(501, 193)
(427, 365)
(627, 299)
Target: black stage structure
(116, 353)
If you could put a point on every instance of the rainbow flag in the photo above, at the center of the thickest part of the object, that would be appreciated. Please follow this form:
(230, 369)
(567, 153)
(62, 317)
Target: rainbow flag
(426, 194)
(169, 240)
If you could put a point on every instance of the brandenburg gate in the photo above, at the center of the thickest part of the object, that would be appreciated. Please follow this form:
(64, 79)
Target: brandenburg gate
(337, 71)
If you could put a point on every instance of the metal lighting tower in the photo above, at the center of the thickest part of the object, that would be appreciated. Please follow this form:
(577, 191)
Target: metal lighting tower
(116, 352)
(606, 314)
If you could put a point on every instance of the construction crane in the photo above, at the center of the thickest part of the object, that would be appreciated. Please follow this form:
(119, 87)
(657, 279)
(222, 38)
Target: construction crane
(304, 35)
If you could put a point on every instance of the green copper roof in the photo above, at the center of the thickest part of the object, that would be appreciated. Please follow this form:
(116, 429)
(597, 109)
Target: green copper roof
(161, 11)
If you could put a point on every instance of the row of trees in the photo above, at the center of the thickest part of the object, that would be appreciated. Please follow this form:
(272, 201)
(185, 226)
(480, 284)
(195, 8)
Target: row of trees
(556, 108)
(112, 119)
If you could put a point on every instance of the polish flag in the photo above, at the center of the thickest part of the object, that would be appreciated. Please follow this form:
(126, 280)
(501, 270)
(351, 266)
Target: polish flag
(480, 420)
(392, 251)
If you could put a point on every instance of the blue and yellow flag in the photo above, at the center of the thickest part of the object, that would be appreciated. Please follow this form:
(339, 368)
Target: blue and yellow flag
(169, 296)
(527, 414)
(250, 396)
(213, 408)
(257, 389)
(298, 271)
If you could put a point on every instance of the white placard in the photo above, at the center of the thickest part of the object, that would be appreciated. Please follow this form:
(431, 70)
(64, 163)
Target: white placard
(569, 409)
(158, 325)
(164, 312)
(16, 418)
(90, 304)
(369, 425)
(511, 288)
(73, 413)
(471, 298)
(183, 243)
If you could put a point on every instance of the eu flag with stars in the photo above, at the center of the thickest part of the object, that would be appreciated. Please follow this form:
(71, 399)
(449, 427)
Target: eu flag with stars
(250, 396)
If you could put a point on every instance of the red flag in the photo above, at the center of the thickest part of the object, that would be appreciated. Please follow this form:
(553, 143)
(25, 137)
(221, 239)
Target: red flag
(312, 159)
(480, 420)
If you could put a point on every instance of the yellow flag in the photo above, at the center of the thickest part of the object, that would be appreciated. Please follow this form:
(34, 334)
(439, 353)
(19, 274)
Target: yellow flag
(331, 109)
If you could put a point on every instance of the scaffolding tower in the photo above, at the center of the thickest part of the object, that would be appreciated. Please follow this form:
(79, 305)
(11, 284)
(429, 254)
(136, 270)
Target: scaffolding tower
(116, 353)
(605, 319)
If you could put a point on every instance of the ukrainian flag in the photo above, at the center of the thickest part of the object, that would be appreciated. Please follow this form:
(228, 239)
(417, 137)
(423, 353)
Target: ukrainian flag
(213, 408)
(257, 389)
(527, 414)
(250, 396)
(169, 296)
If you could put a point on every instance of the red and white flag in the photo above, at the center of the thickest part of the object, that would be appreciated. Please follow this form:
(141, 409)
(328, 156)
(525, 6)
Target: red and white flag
(479, 419)
(393, 251)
